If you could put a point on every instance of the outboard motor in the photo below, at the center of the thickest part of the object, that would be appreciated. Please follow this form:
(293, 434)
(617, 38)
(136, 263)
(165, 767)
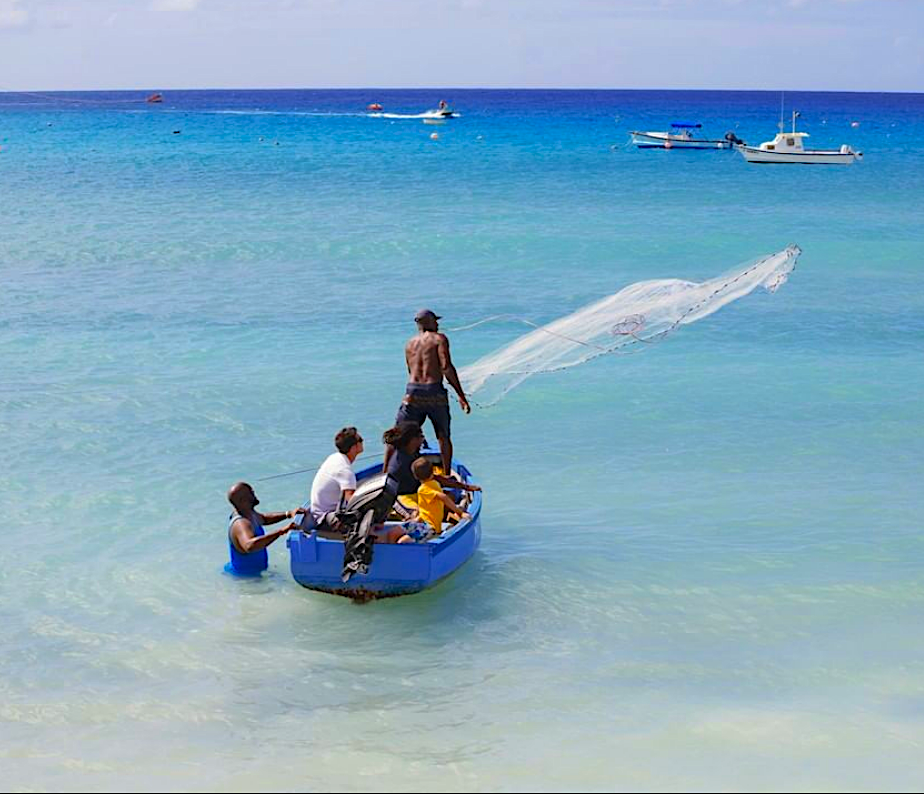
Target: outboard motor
(733, 139)
(368, 507)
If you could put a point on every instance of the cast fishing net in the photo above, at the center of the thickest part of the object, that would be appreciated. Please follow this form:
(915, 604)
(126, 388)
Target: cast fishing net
(642, 313)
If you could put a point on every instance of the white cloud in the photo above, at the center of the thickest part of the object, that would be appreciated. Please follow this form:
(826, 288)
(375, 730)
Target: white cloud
(174, 5)
(12, 14)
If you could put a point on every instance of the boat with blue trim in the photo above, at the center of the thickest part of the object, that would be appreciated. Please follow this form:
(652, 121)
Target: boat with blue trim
(683, 135)
(317, 556)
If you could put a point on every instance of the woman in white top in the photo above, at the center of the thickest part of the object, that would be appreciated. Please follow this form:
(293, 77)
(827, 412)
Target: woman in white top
(335, 481)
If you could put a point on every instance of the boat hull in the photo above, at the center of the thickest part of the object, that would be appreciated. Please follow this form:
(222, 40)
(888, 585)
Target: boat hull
(817, 157)
(663, 140)
(396, 569)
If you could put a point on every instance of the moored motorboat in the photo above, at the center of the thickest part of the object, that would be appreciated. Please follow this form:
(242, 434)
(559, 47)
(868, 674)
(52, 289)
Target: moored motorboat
(317, 557)
(681, 136)
(788, 148)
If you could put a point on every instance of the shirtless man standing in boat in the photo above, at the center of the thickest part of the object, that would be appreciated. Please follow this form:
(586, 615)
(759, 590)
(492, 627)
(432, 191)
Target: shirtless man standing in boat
(428, 362)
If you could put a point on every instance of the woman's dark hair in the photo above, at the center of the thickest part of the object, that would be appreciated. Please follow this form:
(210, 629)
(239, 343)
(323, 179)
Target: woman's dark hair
(401, 433)
(346, 439)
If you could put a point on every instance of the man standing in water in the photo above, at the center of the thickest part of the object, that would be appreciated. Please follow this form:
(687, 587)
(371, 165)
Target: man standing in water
(247, 540)
(428, 362)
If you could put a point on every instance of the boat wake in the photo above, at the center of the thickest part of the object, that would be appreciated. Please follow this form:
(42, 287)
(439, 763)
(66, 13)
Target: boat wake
(258, 112)
(430, 114)
(642, 313)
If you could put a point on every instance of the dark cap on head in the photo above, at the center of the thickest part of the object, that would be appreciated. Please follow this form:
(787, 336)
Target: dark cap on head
(424, 314)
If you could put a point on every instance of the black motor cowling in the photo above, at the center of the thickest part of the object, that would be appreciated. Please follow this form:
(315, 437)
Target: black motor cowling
(733, 139)
(368, 507)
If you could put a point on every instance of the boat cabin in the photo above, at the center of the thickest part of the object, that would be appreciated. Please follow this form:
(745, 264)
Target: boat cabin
(785, 142)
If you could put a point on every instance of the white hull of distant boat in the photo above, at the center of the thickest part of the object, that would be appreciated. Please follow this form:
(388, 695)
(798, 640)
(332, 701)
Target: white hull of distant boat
(670, 140)
(843, 156)
(787, 148)
(429, 114)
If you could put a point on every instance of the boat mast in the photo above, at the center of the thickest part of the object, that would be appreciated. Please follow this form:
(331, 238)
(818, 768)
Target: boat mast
(782, 93)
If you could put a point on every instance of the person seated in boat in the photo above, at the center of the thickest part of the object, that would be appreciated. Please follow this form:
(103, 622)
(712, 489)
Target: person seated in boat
(432, 502)
(443, 106)
(247, 540)
(335, 482)
(405, 440)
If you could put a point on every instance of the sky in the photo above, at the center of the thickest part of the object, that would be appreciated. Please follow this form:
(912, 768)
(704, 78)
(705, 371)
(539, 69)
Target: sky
(837, 45)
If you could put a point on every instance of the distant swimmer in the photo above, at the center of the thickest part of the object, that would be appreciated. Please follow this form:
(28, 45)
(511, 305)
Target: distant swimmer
(247, 540)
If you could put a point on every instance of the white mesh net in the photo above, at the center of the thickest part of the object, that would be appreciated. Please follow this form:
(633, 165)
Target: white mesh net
(644, 312)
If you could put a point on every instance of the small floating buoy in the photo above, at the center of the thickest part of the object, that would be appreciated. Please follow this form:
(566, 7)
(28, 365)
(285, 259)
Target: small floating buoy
(434, 136)
(177, 132)
(854, 123)
(668, 145)
(261, 139)
(479, 137)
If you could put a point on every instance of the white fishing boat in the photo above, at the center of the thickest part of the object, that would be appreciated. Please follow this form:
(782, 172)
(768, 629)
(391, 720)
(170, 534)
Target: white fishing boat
(789, 147)
(681, 136)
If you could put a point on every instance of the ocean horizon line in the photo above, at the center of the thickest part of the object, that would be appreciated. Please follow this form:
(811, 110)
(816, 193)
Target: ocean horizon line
(460, 88)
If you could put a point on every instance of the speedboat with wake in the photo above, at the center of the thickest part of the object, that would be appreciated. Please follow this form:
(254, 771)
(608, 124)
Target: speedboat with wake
(682, 135)
(788, 148)
(436, 116)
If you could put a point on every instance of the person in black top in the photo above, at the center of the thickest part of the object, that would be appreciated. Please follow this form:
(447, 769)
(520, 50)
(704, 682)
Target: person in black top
(405, 439)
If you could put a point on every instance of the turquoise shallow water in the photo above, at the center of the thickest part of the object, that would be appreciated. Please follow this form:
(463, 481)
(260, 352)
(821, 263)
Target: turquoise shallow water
(701, 566)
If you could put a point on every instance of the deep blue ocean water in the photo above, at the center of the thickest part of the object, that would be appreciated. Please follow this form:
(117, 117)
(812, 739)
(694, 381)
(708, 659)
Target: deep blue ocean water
(701, 566)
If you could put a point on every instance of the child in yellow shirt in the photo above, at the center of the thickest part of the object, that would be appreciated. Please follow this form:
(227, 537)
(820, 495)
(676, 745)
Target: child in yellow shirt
(432, 503)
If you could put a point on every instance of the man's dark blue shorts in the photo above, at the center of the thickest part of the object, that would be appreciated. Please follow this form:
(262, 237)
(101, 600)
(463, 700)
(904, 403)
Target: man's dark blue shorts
(424, 401)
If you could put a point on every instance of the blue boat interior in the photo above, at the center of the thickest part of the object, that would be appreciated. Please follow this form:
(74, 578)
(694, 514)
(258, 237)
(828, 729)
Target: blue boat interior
(317, 556)
(464, 499)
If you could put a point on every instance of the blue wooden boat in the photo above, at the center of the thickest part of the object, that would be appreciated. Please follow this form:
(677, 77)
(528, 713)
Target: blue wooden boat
(397, 569)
